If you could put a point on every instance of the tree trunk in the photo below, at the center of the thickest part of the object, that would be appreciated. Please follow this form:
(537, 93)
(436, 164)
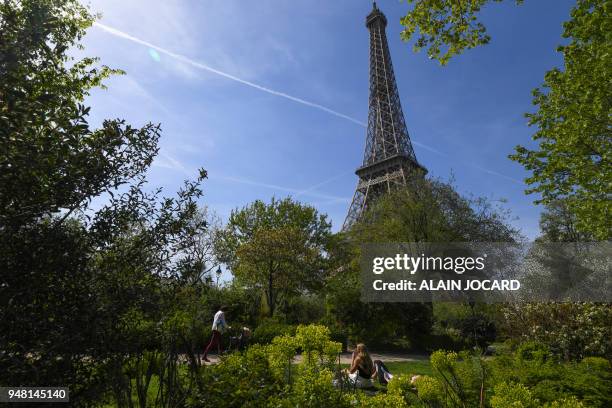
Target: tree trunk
(271, 300)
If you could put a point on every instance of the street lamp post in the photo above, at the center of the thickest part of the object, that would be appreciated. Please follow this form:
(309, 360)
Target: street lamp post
(218, 272)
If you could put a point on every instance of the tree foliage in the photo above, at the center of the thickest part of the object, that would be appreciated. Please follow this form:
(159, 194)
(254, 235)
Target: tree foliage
(82, 291)
(446, 27)
(278, 247)
(573, 160)
(558, 224)
(52, 160)
(432, 211)
(570, 330)
(426, 211)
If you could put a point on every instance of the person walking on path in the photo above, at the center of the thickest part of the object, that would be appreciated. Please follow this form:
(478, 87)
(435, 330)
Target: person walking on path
(218, 327)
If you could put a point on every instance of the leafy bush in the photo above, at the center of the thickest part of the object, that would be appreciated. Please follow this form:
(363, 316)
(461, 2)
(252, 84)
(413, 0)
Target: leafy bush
(314, 388)
(461, 374)
(302, 309)
(268, 329)
(459, 326)
(339, 334)
(550, 380)
(570, 402)
(401, 385)
(509, 395)
(240, 380)
(478, 329)
(445, 341)
(379, 401)
(430, 391)
(571, 330)
(533, 351)
(281, 353)
(518, 396)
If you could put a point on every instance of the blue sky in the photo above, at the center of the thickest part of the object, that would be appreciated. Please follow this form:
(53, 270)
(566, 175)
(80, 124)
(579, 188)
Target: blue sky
(211, 72)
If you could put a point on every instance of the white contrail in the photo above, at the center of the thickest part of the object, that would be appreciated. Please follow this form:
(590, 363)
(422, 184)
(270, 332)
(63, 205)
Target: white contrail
(169, 162)
(494, 173)
(205, 67)
(322, 183)
(282, 188)
(429, 148)
(196, 64)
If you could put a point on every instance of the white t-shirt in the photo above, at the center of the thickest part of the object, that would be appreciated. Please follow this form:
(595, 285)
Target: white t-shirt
(219, 322)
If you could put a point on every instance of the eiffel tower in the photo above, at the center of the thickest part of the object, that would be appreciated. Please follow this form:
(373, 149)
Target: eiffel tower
(389, 159)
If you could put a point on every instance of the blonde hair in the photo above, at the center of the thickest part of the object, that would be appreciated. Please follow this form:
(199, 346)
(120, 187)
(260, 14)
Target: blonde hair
(366, 361)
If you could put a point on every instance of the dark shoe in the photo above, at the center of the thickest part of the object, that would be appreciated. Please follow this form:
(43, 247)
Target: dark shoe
(206, 359)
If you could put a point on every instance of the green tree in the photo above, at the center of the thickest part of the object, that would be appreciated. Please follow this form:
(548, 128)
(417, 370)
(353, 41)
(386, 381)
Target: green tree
(278, 247)
(198, 260)
(432, 211)
(446, 27)
(81, 290)
(426, 211)
(52, 161)
(572, 161)
(558, 224)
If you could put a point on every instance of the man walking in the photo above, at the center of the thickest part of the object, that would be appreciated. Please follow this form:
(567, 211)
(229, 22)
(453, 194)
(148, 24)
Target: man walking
(218, 327)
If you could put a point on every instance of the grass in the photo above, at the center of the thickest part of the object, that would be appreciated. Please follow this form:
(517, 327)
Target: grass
(420, 367)
(410, 367)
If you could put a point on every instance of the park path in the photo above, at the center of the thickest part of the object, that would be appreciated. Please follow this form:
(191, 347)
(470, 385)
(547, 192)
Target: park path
(345, 358)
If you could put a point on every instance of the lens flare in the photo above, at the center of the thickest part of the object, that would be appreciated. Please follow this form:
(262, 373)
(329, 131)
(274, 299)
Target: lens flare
(154, 54)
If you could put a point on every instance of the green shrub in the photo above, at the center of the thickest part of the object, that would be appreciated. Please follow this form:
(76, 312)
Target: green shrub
(312, 337)
(510, 395)
(302, 309)
(401, 385)
(362, 400)
(430, 391)
(478, 330)
(597, 364)
(571, 330)
(316, 346)
(449, 340)
(239, 380)
(570, 402)
(444, 360)
(280, 356)
(314, 388)
(461, 375)
(550, 380)
(590, 381)
(533, 351)
(268, 329)
(339, 334)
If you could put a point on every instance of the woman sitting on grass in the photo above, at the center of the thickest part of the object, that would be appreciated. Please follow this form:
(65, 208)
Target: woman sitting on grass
(362, 368)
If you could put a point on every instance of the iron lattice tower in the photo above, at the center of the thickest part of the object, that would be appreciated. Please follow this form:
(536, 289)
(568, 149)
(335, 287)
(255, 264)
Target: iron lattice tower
(389, 158)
